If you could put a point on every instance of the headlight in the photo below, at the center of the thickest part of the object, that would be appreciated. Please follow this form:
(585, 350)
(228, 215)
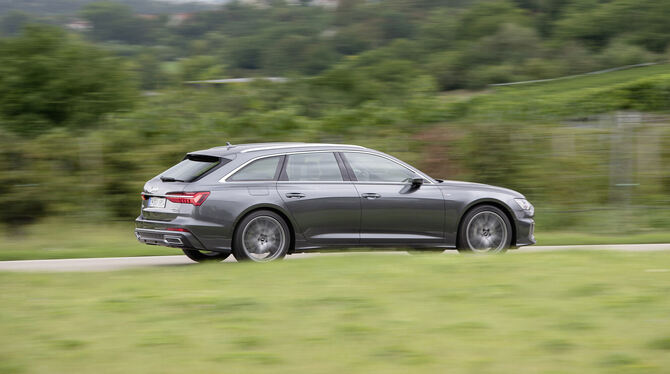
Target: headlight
(524, 204)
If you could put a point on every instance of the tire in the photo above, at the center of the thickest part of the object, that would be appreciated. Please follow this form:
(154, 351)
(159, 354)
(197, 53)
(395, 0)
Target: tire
(205, 256)
(484, 229)
(262, 236)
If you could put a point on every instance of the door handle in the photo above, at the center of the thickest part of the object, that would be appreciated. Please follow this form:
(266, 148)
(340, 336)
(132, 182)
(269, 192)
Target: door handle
(371, 195)
(295, 195)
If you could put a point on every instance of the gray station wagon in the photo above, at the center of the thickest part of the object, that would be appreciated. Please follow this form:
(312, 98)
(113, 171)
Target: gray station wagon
(261, 202)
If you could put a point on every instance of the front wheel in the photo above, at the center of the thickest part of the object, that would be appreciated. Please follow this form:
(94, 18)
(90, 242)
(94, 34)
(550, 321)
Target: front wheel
(261, 236)
(205, 256)
(485, 229)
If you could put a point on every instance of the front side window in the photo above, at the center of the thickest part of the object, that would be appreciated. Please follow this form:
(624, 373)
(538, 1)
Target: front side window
(373, 168)
(264, 169)
(319, 166)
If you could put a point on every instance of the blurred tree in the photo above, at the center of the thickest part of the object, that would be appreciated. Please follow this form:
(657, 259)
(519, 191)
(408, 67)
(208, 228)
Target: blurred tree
(576, 58)
(318, 58)
(484, 19)
(12, 22)
(200, 67)
(114, 21)
(283, 38)
(347, 11)
(511, 43)
(355, 39)
(438, 30)
(448, 69)
(286, 54)
(246, 52)
(481, 75)
(50, 8)
(545, 12)
(651, 28)
(542, 68)
(48, 79)
(620, 53)
(395, 25)
(150, 72)
(22, 195)
(595, 23)
(485, 153)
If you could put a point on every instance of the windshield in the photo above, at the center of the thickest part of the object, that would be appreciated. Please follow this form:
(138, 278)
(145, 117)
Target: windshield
(192, 168)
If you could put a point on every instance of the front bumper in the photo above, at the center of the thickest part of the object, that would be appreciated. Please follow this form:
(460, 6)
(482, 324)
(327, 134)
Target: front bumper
(525, 234)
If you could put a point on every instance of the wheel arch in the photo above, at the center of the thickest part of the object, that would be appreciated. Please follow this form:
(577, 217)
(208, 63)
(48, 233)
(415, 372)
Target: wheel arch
(273, 208)
(493, 202)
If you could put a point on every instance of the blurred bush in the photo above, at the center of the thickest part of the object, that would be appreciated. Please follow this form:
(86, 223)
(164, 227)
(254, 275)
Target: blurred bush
(78, 139)
(50, 79)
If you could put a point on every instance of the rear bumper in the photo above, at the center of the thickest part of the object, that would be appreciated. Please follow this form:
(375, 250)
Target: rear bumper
(168, 238)
(198, 235)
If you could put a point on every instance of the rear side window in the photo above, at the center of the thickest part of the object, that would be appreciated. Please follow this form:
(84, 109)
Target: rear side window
(264, 169)
(320, 166)
(192, 167)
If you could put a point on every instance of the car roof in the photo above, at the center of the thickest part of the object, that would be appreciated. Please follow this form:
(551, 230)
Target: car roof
(271, 148)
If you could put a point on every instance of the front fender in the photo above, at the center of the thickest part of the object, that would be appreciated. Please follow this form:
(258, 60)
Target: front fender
(458, 203)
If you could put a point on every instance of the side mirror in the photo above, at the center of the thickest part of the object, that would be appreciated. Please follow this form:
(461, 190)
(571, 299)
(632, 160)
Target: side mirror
(416, 182)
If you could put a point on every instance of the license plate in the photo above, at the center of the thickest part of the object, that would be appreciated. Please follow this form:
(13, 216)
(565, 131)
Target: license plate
(156, 202)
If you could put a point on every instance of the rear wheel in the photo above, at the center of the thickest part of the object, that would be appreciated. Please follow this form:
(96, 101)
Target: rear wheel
(205, 256)
(485, 229)
(261, 236)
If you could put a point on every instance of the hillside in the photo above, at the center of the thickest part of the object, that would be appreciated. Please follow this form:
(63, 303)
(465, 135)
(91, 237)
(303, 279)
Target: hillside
(643, 89)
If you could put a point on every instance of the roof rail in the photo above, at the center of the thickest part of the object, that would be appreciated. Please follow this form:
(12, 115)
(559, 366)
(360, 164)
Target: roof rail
(304, 145)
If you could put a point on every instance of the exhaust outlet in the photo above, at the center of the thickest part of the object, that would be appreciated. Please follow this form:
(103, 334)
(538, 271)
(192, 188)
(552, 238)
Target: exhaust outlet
(173, 240)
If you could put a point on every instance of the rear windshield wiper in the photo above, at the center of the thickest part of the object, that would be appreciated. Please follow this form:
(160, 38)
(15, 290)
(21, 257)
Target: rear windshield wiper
(170, 179)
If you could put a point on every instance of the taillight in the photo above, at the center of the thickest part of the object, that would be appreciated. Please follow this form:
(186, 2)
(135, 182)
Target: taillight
(193, 198)
(177, 229)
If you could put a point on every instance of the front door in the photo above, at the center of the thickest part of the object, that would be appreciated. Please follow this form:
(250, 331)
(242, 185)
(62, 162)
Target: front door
(324, 205)
(392, 209)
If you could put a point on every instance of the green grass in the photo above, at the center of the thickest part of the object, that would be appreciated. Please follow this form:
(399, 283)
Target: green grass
(53, 239)
(568, 312)
(577, 238)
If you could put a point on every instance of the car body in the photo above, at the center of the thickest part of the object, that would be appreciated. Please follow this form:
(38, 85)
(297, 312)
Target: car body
(319, 196)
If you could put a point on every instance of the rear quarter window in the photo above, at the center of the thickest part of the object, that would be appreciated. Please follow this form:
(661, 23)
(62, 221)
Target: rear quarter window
(264, 169)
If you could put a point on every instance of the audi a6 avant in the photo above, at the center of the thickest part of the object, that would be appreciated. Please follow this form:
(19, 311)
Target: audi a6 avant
(263, 201)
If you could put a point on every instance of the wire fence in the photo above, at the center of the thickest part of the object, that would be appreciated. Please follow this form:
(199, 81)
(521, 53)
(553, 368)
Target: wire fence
(625, 67)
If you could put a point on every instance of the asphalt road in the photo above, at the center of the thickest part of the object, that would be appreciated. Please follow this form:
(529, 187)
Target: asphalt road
(118, 263)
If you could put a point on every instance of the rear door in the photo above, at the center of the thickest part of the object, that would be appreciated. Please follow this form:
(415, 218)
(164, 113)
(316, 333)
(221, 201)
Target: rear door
(392, 210)
(323, 203)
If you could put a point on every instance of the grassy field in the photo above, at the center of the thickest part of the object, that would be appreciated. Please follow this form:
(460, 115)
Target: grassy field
(582, 82)
(579, 238)
(51, 240)
(643, 88)
(569, 312)
(48, 240)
